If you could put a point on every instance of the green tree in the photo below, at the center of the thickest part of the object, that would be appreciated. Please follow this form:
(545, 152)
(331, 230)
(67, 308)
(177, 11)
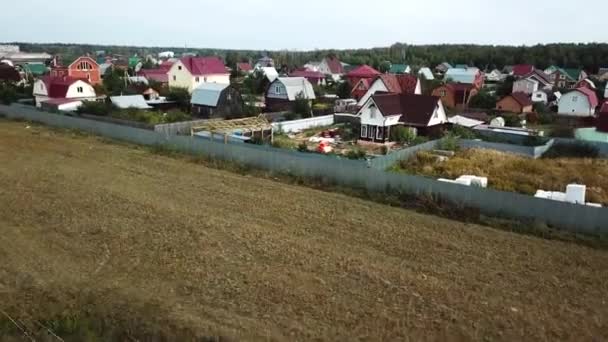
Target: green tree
(484, 100)
(8, 93)
(343, 90)
(181, 97)
(505, 88)
(114, 82)
(302, 106)
(384, 67)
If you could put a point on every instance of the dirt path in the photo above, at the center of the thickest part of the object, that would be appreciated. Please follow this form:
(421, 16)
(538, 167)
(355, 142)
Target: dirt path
(103, 229)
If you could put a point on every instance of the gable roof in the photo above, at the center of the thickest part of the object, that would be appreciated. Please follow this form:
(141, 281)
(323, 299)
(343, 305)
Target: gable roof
(156, 75)
(427, 73)
(309, 74)
(130, 101)
(208, 94)
(199, 66)
(573, 73)
(297, 85)
(459, 75)
(334, 65)
(244, 67)
(521, 70)
(402, 83)
(271, 73)
(522, 98)
(93, 62)
(59, 86)
(539, 76)
(415, 110)
(36, 69)
(591, 96)
(364, 71)
(398, 68)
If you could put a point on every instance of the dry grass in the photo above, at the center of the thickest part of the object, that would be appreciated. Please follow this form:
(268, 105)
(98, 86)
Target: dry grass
(150, 245)
(509, 172)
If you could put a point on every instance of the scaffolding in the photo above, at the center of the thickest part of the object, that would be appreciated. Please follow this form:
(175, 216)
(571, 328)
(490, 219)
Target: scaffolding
(226, 127)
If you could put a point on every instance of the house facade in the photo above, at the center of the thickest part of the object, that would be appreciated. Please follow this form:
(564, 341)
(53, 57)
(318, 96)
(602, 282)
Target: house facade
(84, 68)
(216, 100)
(390, 83)
(455, 95)
(580, 102)
(525, 85)
(49, 87)
(360, 73)
(190, 72)
(282, 94)
(515, 103)
(540, 96)
(331, 66)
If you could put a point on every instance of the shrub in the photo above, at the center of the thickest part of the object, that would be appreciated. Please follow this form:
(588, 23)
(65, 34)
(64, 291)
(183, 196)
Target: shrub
(402, 134)
(462, 132)
(176, 116)
(180, 96)
(292, 116)
(545, 118)
(95, 108)
(356, 154)
(302, 105)
(449, 143)
(8, 94)
(562, 131)
(302, 147)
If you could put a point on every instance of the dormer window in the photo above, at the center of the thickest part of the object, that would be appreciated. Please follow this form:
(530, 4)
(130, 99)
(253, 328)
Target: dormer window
(372, 111)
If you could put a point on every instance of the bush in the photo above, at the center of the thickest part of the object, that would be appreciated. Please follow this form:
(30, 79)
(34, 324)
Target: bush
(562, 131)
(302, 106)
(578, 150)
(95, 108)
(176, 116)
(8, 93)
(302, 147)
(449, 143)
(402, 134)
(356, 154)
(546, 118)
(462, 132)
(180, 96)
(292, 116)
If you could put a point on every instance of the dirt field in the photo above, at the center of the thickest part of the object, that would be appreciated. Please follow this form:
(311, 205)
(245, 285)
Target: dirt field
(510, 172)
(109, 233)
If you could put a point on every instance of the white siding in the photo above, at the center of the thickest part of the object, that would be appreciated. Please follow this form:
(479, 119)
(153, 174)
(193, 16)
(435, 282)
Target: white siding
(184, 79)
(87, 90)
(525, 86)
(575, 103)
(439, 116)
(378, 85)
(371, 115)
(540, 96)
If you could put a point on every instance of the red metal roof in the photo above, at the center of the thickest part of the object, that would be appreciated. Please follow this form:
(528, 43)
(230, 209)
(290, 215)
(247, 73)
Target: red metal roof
(244, 67)
(157, 75)
(401, 83)
(521, 70)
(415, 110)
(363, 71)
(334, 65)
(166, 65)
(199, 66)
(591, 95)
(58, 87)
(309, 74)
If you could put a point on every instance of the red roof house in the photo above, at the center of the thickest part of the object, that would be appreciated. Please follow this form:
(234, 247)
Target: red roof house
(313, 77)
(244, 67)
(190, 72)
(64, 87)
(331, 66)
(199, 66)
(156, 75)
(82, 68)
(361, 72)
(522, 70)
(391, 83)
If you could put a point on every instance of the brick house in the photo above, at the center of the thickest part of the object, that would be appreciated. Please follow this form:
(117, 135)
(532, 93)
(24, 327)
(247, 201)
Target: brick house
(83, 68)
(515, 103)
(455, 95)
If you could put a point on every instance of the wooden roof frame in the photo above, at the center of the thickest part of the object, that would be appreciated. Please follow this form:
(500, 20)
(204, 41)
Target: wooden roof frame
(225, 127)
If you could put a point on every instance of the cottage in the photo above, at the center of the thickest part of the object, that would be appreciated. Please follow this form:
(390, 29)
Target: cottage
(580, 102)
(314, 77)
(456, 95)
(465, 76)
(390, 83)
(543, 96)
(382, 112)
(360, 73)
(332, 66)
(85, 68)
(525, 85)
(215, 100)
(426, 73)
(190, 72)
(443, 68)
(522, 70)
(564, 77)
(399, 69)
(283, 92)
(48, 87)
(516, 103)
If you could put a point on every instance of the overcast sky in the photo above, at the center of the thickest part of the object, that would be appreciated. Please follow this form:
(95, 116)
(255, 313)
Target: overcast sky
(302, 25)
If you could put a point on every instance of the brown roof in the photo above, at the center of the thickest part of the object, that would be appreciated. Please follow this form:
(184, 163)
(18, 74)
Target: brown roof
(522, 98)
(400, 84)
(415, 110)
(334, 65)
(9, 73)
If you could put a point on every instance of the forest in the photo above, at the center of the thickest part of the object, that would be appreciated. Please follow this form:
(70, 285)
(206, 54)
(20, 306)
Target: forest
(589, 56)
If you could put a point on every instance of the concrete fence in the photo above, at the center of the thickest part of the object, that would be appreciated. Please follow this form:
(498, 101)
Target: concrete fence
(526, 151)
(577, 218)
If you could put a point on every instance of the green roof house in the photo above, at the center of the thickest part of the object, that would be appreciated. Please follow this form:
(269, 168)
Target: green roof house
(399, 69)
(35, 69)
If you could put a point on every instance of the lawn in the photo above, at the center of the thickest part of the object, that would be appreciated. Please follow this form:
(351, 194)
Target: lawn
(510, 172)
(106, 239)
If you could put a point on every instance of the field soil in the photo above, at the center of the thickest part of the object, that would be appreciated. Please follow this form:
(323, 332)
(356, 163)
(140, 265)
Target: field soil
(509, 172)
(128, 243)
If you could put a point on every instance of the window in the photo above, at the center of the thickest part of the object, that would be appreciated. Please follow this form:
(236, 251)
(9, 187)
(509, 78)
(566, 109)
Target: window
(89, 77)
(562, 77)
(370, 132)
(436, 114)
(443, 93)
(538, 96)
(179, 67)
(277, 89)
(41, 86)
(574, 98)
(379, 133)
(362, 86)
(363, 131)
(197, 79)
(372, 111)
(79, 89)
(174, 78)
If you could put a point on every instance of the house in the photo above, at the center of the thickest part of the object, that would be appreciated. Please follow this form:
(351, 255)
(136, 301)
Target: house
(35, 69)
(48, 87)
(565, 77)
(155, 75)
(84, 67)
(522, 70)
(244, 67)
(443, 68)
(270, 73)
(130, 101)
(190, 72)
(516, 103)
(580, 102)
(586, 83)
(455, 95)
(426, 73)
(264, 62)
(543, 96)
(602, 74)
(525, 85)
(166, 54)
(312, 66)
(495, 76)
(399, 69)
(283, 92)
(391, 83)
(331, 66)
(382, 112)
(9, 74)
(314, 77)
(216, 100)
(466, 76)
(361, 72)
(360, 89)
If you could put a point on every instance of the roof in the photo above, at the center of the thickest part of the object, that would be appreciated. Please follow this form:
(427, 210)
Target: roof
(604, 107)
(199, 66)
(462, 75)
(403, 83)
(138, 79)
(156, 75)
(94, 62)
(398, 68)
(271, 73)
(522, 98)
(589, 83)
(36, 69)
(309, 74)
(60, 101)
(103, 68)
(427, 73)
(59, 86)
(521, 70)
(464, 121)
(591, 96)
(334, 65)
(9, 73)
(130, 101)
(480, 116)
(456, 87)
(573, 73)
(244, 67)
(296, 85)
(415, 110)
(539, 76)
(363, 71)
(208, 94)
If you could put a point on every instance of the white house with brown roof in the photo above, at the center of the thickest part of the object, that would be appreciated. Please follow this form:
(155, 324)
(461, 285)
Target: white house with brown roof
(332, 66)
(190, 72)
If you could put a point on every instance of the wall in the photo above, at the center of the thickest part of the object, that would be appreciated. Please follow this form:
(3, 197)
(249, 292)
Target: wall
(567, 105)
(177, 128)
(183, 77)
(300, 125)
(87, 90)
(576, 218)
(385, 162)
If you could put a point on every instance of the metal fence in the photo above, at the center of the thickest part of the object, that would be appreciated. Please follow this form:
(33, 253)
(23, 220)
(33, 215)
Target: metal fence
(302, 124)
(577, 218)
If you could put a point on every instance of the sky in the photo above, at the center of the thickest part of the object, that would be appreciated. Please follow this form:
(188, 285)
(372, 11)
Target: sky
(301, 25)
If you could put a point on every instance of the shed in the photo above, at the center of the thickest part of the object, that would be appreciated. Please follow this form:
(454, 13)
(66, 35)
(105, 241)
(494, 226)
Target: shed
(216, 100)
(130, 101)
(61, 104)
